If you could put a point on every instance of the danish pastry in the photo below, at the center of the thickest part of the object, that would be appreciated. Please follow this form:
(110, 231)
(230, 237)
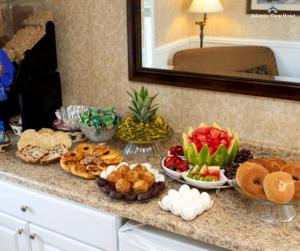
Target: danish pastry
(85, 149)
(293, 169)
(81, 171)
(66, 165)
(279, 187)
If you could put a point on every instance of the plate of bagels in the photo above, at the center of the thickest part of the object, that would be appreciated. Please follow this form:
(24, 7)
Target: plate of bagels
(271, 180)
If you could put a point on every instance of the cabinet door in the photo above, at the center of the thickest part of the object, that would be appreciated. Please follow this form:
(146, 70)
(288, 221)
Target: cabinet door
(13, 234)
(45, 240)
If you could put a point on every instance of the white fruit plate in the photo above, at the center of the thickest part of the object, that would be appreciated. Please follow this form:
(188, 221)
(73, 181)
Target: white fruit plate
(169, 172)
(204, 184)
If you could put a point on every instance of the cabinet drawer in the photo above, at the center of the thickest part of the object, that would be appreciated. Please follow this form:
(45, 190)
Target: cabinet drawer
(94, 227)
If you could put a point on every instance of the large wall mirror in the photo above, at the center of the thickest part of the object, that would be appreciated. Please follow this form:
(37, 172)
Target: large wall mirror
(216, 45)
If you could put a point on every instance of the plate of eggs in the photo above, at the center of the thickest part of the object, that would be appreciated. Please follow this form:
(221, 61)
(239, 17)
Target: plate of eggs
(186, 202)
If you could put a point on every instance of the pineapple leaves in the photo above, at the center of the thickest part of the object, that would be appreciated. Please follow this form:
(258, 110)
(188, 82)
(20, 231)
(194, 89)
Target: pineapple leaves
(142, 107)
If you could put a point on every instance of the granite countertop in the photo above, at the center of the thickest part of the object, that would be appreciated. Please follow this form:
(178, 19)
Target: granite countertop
(226, 225)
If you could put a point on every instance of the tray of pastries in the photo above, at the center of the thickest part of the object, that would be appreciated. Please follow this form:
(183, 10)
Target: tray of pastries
(136, 182)
(88, 160)
(42, 147)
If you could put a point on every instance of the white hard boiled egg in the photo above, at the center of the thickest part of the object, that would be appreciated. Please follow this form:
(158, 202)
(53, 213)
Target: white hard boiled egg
(187, 198)
(206, 200)
(184, 189)
(173, 194)
(176, 207)
(199, 205)
(166, 203)
(188, 213)
(195, 192)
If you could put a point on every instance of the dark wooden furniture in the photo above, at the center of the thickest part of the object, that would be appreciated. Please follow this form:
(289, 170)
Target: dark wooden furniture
(241, 85)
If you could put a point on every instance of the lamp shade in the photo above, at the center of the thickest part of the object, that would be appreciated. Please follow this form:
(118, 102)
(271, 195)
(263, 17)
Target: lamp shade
(206, 6)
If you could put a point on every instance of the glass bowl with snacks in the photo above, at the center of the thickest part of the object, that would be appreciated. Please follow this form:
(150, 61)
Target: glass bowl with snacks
(99, 125)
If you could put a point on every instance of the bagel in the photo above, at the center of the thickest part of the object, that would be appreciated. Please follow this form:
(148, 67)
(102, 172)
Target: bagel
(86, 149)
(250, 178)
(261, 162)
(279, 187)
(72, 156)
(293, 169)
(66, 165)
(274, 165)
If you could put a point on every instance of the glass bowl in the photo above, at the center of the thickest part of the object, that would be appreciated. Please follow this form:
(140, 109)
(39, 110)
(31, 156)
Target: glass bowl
(97, 134)
(268, 211)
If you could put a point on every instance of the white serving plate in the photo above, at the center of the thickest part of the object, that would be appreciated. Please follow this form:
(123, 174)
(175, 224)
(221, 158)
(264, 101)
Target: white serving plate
(203, 184)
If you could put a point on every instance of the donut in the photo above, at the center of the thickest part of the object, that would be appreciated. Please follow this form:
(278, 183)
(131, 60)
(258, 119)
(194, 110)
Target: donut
(124, 169)
(72, 156)
(66, 165)
(279, 187)
(274, 165)
(250, 177)
(86, 149)
(293, 169)
(140, 186)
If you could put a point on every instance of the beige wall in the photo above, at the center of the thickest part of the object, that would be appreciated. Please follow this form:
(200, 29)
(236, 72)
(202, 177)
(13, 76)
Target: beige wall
(92, 51)
(172, 22)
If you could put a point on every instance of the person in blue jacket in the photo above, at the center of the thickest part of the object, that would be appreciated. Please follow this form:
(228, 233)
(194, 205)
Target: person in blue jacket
(7, 71)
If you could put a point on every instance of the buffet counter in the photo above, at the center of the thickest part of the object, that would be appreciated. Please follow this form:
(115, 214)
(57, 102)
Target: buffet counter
(226, 225)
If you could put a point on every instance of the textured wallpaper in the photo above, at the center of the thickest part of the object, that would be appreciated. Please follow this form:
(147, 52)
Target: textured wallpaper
(92, 54)
(172, 21)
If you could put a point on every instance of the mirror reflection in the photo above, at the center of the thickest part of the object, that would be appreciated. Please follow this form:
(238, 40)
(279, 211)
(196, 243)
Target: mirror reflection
(219, 37)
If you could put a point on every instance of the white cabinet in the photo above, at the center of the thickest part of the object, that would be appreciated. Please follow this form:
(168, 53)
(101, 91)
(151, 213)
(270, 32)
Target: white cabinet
(44, 240)
(59, 224)
(13, 234)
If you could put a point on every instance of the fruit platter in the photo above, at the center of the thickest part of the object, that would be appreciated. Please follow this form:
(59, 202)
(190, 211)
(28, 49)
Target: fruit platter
(136, 182)
(201, 159)
(143, 128)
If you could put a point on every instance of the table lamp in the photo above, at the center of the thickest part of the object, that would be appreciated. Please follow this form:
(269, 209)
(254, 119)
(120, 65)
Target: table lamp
(204, 6)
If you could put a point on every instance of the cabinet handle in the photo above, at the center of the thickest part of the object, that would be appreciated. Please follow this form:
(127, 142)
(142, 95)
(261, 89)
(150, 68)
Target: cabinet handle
(20, 231)
(32, 236)
(24, 208)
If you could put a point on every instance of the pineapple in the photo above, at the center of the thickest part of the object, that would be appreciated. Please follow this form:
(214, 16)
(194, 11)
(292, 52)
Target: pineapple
(142, 108)
(142, 124)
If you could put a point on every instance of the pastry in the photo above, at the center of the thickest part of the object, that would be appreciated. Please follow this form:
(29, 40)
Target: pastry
(274, 165)
(123, 186)
(81, 171)
(139, 169)
(72, 156)
(250, 177)
(293, 169)
(114, 177)
(100, 150)
(66, 165)
(124, 169)
(279, 187)
(148, 177)
(140, 186)
(85, 149)
(131, 176)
